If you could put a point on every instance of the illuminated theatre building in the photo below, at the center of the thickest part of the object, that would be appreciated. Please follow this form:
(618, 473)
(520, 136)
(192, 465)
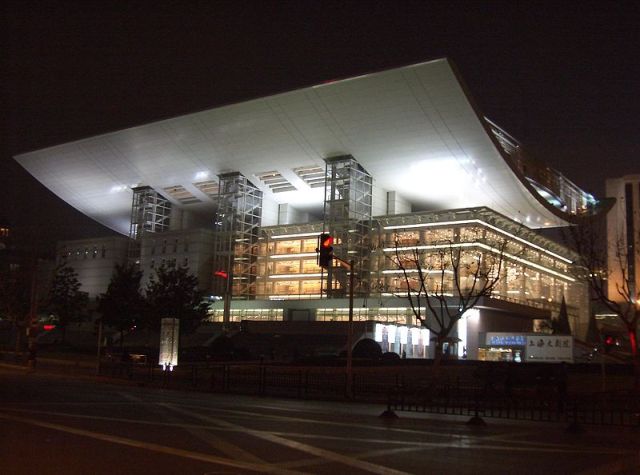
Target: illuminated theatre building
(400, 156)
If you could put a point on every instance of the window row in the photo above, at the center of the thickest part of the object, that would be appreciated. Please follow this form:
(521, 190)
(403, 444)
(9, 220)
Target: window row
(168, 246)
(85, 253)
(171, 263)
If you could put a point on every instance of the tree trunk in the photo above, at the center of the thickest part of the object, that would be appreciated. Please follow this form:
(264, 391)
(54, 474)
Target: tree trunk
(437, 359)
(18, 331)
(633, 340)
(631, 332)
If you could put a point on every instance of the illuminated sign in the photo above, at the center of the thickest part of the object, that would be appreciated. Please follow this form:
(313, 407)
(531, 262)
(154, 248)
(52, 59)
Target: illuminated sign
(507, 340)
(549, 348)
(419, 336)
(169, 332)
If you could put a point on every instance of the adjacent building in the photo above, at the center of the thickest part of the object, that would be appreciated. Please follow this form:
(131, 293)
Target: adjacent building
(93, 260)
(623, 235)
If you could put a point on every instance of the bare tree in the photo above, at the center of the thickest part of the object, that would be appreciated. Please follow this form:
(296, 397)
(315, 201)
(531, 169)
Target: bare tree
(589, 241)
(442, 281)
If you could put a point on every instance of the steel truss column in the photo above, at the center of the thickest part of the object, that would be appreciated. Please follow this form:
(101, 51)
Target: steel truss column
(150, 213)
(237, 229)
(347, 217)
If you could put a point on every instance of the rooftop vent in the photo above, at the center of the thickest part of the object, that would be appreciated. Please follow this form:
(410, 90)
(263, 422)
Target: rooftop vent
(181, 194)
(276, 182)
(209, 188)
(313, 176)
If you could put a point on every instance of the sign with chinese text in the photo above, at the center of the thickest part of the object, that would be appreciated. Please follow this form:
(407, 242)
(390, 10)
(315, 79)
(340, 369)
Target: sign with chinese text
(549, 348)
(504, 339)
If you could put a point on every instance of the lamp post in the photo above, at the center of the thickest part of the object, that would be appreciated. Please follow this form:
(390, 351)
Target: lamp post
(350, 335)
(99, 352)
(349, 266)
(32, 324)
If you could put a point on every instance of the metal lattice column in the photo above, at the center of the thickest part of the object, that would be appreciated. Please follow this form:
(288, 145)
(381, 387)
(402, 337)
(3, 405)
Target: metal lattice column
(150, 213)
(347, 216)
(237, 229)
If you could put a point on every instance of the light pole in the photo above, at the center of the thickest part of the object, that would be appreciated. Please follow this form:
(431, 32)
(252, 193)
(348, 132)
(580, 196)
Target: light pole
(32, 325)
(99, 352)
(349, 266)
(325, 260)
(350, 335)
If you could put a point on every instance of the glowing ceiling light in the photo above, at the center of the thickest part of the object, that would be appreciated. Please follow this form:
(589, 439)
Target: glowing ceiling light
(483, 223)
(482, 246)
(201, 175)
(293, 256)
(285, 236)
(439, 173)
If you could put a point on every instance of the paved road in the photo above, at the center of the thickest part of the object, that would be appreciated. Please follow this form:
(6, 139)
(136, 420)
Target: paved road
(55, 425)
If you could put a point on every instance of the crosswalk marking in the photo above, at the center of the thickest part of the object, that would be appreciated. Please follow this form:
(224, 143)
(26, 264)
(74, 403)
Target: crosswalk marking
(264, 468)
(326, 454)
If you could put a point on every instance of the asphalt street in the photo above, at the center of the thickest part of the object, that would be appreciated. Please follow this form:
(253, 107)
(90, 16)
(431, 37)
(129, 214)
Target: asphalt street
(58, 425)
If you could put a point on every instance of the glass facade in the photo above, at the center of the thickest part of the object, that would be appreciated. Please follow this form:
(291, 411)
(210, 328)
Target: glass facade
(533, 271)
(237, 315)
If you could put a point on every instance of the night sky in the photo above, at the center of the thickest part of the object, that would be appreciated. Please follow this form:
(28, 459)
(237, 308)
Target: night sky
(562, 77)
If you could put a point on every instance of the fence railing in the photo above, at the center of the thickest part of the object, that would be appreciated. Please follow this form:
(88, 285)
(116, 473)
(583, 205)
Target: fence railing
(604, 408)
(459, 390)
(400, 391)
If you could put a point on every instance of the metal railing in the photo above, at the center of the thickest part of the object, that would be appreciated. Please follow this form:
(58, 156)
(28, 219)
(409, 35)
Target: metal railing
(462, 390)
(603, 408)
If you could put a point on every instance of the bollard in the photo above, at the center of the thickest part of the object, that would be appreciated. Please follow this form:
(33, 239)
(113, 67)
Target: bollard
(476, 420)
(574, 426)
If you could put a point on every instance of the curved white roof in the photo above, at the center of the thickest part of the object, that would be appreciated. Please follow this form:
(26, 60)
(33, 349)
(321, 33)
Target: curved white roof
(412, 128)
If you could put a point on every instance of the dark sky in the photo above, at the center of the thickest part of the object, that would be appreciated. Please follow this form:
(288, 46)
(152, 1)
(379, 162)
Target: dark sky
(562, 77)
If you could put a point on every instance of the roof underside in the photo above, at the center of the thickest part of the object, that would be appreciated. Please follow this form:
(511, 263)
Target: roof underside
(413, 129)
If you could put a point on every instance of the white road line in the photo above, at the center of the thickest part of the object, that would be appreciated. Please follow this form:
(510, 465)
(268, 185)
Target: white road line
(361, 455)
(230, 450)
(385, 428)
(532, 445)
(466, 445)
(147, 445)
(326, 454)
